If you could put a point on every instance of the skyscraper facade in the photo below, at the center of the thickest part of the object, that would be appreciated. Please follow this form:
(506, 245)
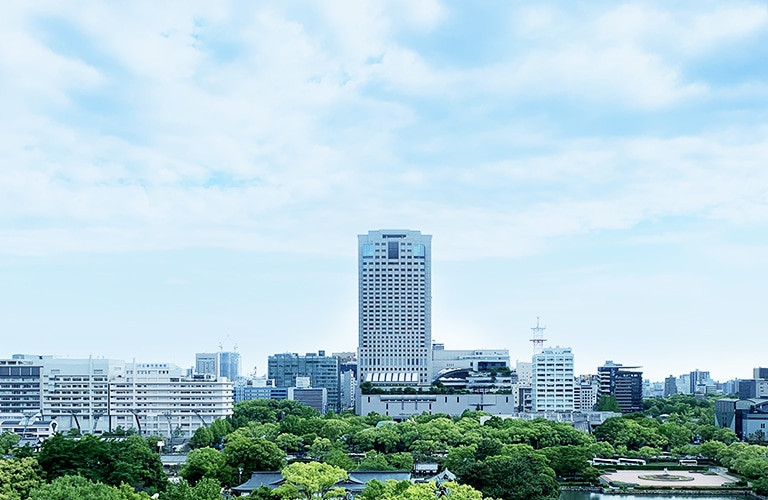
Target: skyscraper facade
(395, 308)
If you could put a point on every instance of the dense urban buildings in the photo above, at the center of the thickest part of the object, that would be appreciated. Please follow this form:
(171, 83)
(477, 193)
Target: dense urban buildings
(322, 371)
(97, 395)
(395, 307)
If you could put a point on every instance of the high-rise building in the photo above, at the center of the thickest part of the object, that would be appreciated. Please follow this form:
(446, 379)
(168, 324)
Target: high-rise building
(322, 371)
(395, 308)
(670, 386)
(552, 380)
(229, 365)
(698, 381)
(220, 364)
(760, 373)
(624, 383)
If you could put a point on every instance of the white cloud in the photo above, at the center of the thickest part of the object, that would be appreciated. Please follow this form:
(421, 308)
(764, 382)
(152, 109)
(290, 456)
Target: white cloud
(289, 138)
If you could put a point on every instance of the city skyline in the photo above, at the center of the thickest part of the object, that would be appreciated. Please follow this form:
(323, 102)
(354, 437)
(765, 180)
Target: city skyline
(180, 176)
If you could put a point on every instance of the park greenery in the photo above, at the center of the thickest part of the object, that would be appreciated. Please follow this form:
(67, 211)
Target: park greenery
(492, 458)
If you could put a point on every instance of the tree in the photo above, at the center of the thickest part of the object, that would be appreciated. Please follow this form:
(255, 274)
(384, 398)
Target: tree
(80, 488)
(524, 475)
(206, 489)
(760, 486)
(129, 461)
(7, 441)
(205, 463)
(18, 477)
(400, 461)
(608, 402)
(460, 459)
(252, 454)
(133, 462)
(312, 480)
(289, 442)
(374, 461)
(202, 438)
(406, 490)
(568, 461)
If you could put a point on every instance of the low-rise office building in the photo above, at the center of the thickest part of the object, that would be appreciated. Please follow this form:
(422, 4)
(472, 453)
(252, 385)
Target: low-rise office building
(403, 406)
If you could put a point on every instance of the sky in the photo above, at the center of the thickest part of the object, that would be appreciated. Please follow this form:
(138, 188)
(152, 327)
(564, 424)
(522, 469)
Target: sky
(181, 175)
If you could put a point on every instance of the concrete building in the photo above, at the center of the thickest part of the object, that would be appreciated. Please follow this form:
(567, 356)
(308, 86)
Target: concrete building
(552, 380)
(96, 395)
(753, 388)
(21, 387)
(403, 406)
(523, 394)
(221, 364)
(323, 372)
(623, 382)
(445, 361)
(586, 392)
(698, 381)
(748, 418)
(395, 308)
(347, 379)
(760, 373)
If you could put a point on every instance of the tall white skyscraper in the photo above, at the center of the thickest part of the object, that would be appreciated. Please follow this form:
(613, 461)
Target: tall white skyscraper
(395, 300)
(552, 379)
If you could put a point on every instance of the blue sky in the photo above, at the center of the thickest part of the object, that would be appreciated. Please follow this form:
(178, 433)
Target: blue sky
(181, 175)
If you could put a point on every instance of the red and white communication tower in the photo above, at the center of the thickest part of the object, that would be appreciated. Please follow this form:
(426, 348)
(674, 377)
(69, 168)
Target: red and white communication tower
(538, 337)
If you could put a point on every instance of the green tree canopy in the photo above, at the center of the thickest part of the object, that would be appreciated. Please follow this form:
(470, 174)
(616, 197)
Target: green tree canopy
(206, 489)
(18, 477)
(523, 475)
(80, 488)
(608, 402)
(7, 441)
(406, 490)
(312, 480)
(252, 454)
(205, 463)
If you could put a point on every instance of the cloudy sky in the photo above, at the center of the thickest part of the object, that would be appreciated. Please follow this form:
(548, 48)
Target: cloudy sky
(174, 176)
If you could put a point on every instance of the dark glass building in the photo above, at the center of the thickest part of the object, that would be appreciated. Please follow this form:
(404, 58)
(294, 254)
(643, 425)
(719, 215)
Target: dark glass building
(623, 382)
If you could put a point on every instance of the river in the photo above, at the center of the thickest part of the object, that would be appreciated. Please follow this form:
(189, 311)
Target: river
(579, 495)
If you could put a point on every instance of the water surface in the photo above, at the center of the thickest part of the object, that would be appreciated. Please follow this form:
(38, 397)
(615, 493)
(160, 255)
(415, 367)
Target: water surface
(580, 495)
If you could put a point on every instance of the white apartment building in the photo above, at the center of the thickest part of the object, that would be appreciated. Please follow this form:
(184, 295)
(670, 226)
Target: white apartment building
(552, 380)
(395, 308)
(97, 395)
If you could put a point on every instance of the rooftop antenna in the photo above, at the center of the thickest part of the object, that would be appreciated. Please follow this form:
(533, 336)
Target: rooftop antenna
(538, 337)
